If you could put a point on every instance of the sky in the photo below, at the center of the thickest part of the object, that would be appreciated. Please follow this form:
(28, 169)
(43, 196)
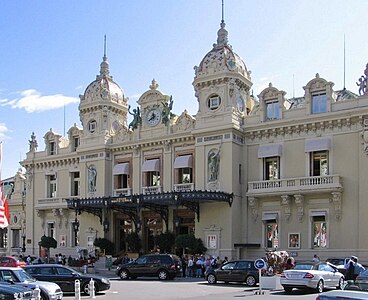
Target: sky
(51, 51)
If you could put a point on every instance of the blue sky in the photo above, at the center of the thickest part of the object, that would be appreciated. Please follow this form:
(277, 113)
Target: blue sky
(51, 50)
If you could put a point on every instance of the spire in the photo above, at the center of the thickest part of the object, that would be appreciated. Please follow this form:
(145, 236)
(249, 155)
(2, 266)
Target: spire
(222, 32)
(104, 66)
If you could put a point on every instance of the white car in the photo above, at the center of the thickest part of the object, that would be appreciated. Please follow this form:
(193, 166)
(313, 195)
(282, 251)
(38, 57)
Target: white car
(336, 295)
(18, 276)
(311, 275)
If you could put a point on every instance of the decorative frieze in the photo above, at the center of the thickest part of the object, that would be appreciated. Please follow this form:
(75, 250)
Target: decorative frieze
(299, 202)
(253, 205)
(336, 200)
(285, 203)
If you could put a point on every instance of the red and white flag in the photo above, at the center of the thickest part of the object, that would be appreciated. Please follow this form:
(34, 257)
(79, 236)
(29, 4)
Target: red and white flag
(4, 208)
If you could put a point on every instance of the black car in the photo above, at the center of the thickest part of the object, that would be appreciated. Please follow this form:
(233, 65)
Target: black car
(234, 271)
(65, 277)
(164, 266)
(11, 292)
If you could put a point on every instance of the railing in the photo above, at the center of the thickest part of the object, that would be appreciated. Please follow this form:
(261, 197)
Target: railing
(303, 184)
(151, 189)
(122, 192)
(183, 187)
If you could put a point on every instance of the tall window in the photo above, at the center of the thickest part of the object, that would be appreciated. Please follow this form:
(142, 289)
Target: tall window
(152, 178)
(272, 108)
(52, 148)
(185, 175)
(51, 229)
(271, 168)
(3, 237)
(319, 103)
(319, 163)
(51, 186)
(272, 234)
(319, 232)
(75, 184)
(121, 181)
(15, 238)
(75, 143)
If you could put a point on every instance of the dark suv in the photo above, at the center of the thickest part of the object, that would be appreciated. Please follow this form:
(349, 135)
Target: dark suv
(164, 266)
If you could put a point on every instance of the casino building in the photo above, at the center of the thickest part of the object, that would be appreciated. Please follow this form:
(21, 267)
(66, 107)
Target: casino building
(244, 174)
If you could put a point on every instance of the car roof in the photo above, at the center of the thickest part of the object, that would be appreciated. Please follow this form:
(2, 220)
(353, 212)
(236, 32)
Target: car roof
(11, 268)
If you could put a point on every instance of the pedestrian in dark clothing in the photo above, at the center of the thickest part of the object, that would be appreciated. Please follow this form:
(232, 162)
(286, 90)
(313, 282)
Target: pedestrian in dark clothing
(184, 265)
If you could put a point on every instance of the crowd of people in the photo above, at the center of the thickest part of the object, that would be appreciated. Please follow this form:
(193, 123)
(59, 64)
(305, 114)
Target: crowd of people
(196, 265)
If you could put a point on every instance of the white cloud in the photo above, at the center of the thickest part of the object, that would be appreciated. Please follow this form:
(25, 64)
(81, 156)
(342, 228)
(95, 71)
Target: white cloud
(3, 131)
(32, 101)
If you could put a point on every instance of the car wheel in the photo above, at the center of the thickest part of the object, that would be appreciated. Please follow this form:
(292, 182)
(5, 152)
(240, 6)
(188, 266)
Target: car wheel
(43, 296)
(320, 286)
(340, 286)
(288, 289)
(124, 274)
(211, 279)
(162, 274)
(85, 289)
(250, 280)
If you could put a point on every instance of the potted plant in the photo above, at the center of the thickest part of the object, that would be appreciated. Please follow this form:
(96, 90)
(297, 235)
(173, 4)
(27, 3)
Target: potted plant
(47, 242)
(104, 244)
(191, 243)
(133, 242)
(165, 241)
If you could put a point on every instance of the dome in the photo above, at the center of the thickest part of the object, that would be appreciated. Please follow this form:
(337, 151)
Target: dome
(222, 57)
(104, 87)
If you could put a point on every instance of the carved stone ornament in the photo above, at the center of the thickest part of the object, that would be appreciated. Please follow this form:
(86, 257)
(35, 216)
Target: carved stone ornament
(286, 203)
(253, 205)
(336, 200)
(362, 83)
(299, 201)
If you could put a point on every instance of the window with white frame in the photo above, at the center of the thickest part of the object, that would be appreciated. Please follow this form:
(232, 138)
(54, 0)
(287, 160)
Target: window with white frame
(272, 234)
(51, 186)
(319, 103)
(51, 229)
(152, 178)
(92, 126)
(319, 231)
(121, 181)
(185, 175)
(272, 110)
(319, 163)
(75, 183)
(271, 167)
(214, 102)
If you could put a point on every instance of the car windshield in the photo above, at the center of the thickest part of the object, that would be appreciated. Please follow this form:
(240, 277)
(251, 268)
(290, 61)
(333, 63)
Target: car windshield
(23, 276)
(303, 267)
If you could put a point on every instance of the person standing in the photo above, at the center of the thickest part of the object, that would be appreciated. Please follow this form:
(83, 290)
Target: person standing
(316, 258)
(190, 267)
(184, 265)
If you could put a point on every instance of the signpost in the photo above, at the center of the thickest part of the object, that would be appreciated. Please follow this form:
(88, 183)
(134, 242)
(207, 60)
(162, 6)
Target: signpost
(259, 264)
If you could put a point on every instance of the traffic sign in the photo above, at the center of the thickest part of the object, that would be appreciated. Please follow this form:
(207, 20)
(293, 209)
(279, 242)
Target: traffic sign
(259, 264)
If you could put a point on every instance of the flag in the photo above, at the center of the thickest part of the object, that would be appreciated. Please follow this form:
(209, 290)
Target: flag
(4, 208)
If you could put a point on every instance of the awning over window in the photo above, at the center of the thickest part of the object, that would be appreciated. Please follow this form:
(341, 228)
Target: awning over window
(184, 161)
(269, 150)
(269, 216)
(320, 144)
(319, 213)
(122, 168)
(151, 165)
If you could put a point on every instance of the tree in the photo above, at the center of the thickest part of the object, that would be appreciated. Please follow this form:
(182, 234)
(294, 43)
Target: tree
(104, 244)
(191, 243)
(134, 242)
(165, 241)
(47, 242)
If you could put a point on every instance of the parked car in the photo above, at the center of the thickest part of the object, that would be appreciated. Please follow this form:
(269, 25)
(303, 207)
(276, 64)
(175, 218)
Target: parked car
(164, 266)
(11, 292)
(18, 276)
(339, 262)
(345, 294)
(311, 275)
(11, 261)
(362, 280)
(65, 277)
(234, 271)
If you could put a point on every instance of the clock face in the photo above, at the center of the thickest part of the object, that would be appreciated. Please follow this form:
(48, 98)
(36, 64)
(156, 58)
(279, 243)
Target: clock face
(153, 117)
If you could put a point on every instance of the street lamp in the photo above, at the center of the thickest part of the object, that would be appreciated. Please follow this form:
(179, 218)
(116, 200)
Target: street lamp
(139, 225)
(106, 225)
(76, 228)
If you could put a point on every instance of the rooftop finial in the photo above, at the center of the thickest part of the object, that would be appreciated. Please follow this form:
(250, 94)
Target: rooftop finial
(222, 19)
(105, 46)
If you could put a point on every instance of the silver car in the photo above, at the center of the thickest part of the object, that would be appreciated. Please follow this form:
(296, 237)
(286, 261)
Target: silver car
(17, 276)
(311, 275)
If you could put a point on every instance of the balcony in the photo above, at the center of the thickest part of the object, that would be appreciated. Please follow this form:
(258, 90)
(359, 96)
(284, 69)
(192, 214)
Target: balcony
(151, 189)
(305, 185)
(122, 192)
(183, 187)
